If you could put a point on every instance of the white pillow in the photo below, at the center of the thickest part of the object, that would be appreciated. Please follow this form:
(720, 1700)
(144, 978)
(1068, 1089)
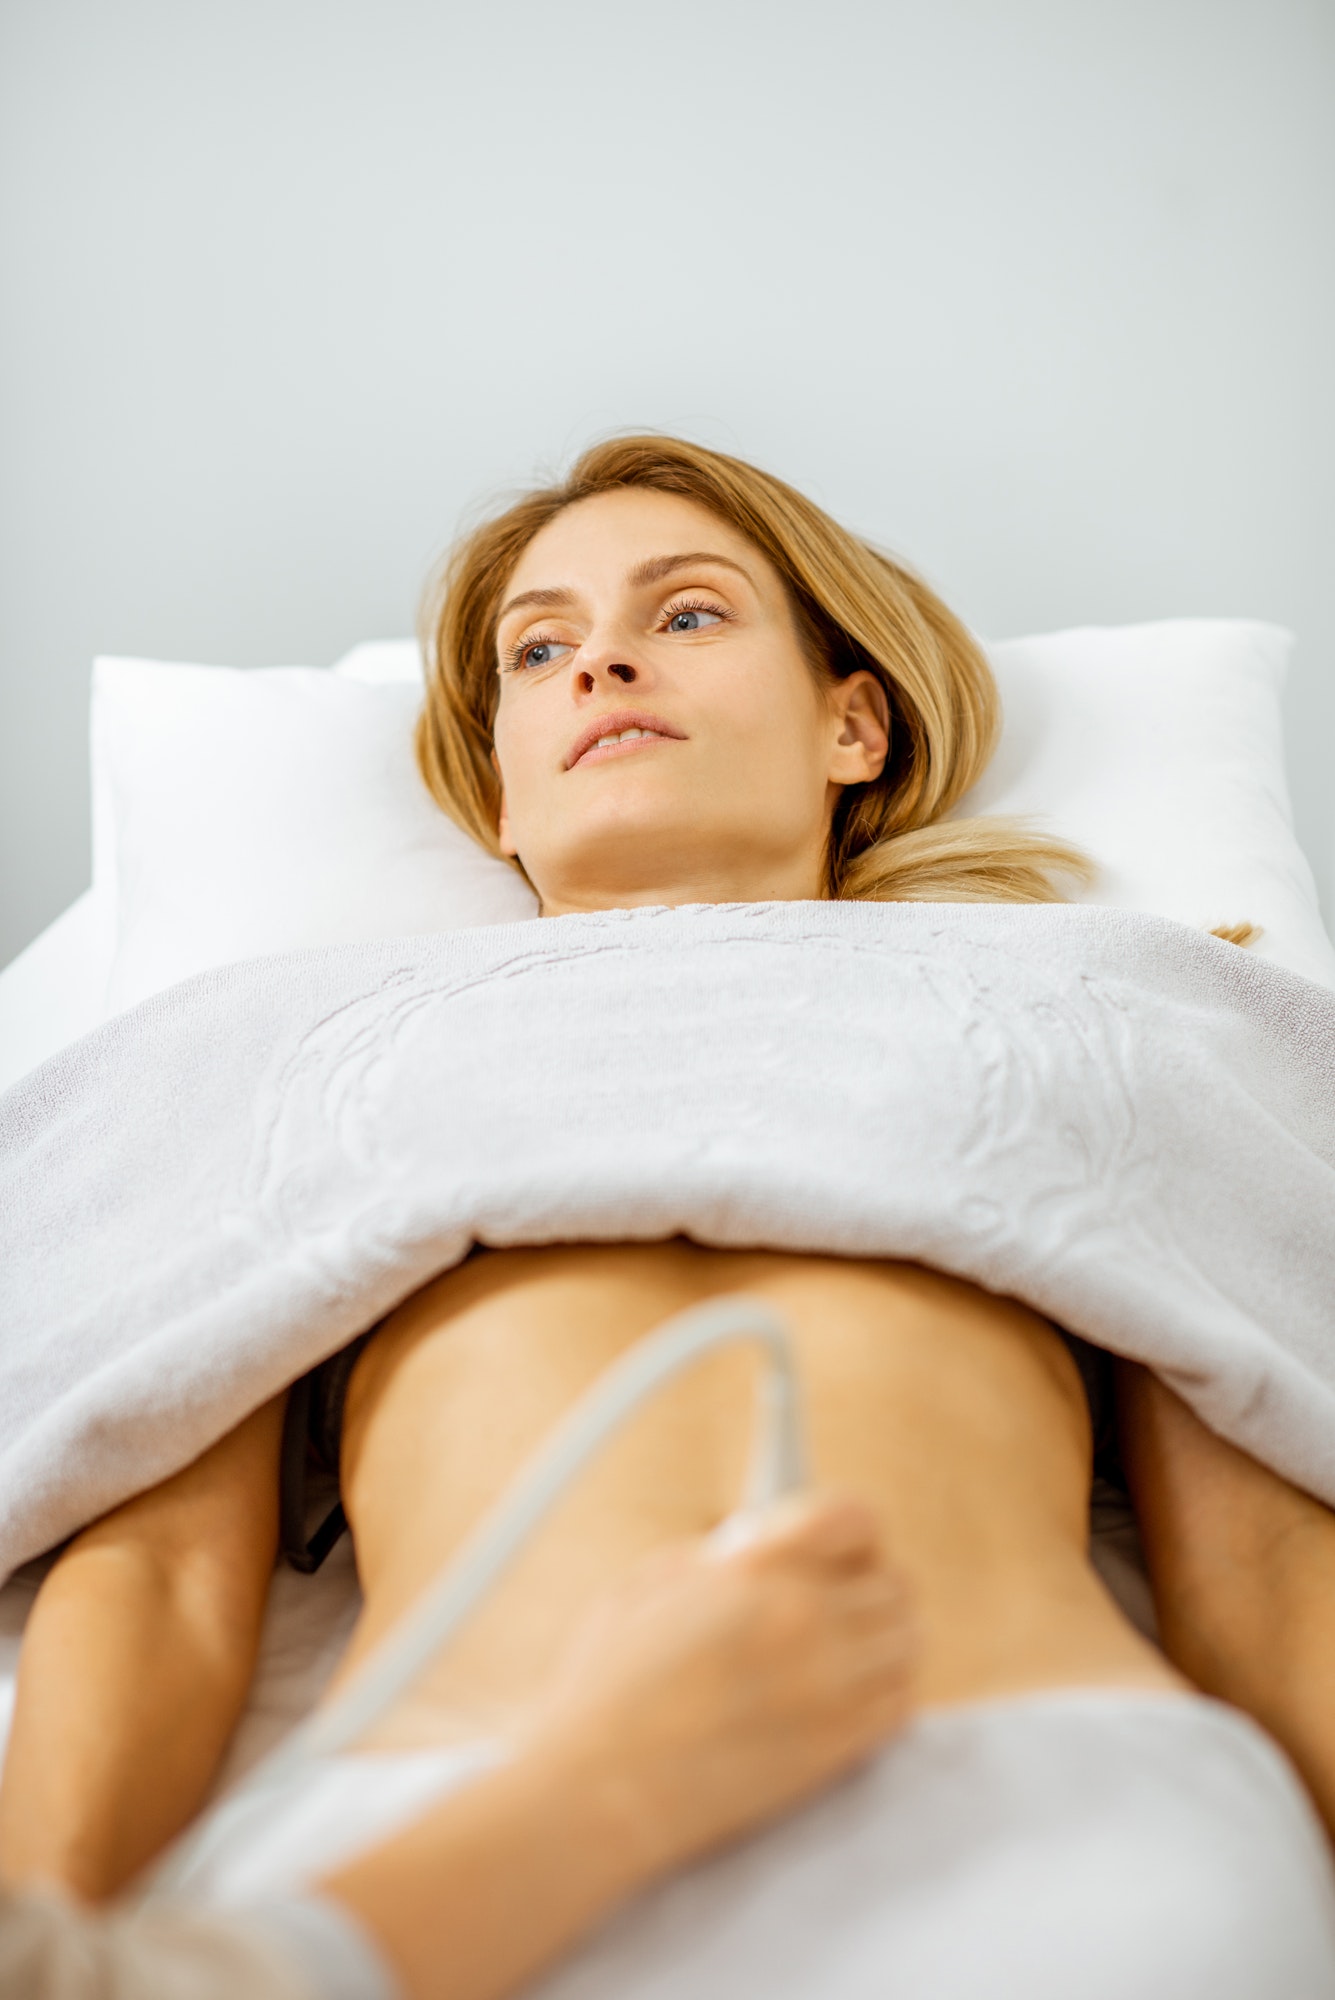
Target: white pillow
(1157, 749)
(244, 811)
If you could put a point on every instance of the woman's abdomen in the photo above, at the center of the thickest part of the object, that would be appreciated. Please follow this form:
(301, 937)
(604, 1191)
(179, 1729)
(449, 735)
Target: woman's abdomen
(957, 1415)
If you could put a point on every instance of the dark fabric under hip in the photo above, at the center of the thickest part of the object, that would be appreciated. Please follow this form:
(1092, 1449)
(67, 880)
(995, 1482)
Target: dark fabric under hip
(313, 1438)
(1098, 1380)
(312, 1444)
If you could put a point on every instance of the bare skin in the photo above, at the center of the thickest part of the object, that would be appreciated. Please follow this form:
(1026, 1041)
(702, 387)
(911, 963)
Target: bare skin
(1242, 1566)
(957, 1417)
(164, 1601)
(957, 1414)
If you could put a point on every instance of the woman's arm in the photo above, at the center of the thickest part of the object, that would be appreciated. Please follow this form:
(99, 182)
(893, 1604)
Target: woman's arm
(710, 1693)
(135, 1665)
(1242, 1566)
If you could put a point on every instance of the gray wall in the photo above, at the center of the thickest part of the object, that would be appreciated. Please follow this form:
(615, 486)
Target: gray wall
(1039, 292)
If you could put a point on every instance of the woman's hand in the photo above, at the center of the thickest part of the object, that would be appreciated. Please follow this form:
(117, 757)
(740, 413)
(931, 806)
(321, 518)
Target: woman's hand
(727, 1679)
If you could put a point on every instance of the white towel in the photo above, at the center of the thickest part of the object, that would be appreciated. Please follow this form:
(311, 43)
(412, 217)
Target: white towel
(1086, 1845)
(1124, 1123)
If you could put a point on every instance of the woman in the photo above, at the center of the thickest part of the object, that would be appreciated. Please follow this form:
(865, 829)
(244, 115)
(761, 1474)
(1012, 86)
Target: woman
(675, 680)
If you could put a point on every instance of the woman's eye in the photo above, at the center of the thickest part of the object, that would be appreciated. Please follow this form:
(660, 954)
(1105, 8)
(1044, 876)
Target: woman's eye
(539, 653)
(693, 619)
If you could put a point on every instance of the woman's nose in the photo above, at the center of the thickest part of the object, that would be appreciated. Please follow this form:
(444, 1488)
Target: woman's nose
(617, 670)
(601, 663)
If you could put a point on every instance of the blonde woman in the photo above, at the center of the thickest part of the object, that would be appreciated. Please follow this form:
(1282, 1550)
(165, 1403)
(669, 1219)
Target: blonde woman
(674, 680)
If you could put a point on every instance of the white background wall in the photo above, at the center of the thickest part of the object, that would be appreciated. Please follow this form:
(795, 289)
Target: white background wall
(1038, 292)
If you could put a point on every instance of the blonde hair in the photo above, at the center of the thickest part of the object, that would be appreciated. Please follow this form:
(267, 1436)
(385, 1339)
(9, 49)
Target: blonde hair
(856, 608)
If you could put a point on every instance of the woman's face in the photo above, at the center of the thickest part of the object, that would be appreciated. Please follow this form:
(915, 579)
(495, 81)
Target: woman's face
(660, 736)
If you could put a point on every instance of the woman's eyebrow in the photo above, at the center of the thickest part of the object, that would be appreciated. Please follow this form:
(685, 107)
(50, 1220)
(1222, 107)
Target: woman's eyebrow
(652, 570)
(657, 567)
(547, 598)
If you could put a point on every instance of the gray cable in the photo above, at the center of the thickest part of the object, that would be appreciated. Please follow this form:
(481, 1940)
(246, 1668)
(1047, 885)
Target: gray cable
(777, 1467)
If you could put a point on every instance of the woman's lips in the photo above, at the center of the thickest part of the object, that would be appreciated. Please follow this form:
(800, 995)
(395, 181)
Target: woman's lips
(600, 752)
(632, 728)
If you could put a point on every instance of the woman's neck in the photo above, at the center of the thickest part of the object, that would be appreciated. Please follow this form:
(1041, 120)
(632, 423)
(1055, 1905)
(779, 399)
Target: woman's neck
(745, 879)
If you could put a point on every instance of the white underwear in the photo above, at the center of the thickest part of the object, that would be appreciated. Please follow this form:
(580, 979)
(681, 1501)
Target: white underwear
(1082, 1845)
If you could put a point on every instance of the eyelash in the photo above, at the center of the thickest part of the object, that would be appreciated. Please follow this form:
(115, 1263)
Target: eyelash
(695, 604)
(514, 656)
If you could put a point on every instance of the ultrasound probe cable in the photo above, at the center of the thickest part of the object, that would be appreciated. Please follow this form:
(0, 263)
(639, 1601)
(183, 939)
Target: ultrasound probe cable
(778, 1467)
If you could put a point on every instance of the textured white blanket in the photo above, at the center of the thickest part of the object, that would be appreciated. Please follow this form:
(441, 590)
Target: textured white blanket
(1128, 1125)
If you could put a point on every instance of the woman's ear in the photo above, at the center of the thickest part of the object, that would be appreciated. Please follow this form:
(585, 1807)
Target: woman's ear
(862, 744)
(507, 846)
